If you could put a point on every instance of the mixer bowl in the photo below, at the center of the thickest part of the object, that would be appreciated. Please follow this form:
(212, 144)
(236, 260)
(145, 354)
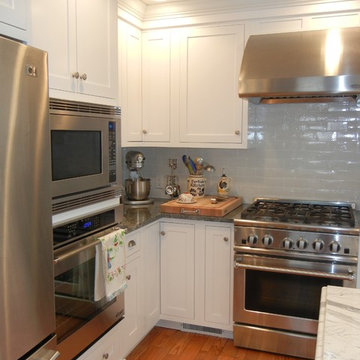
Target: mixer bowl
(137, 189)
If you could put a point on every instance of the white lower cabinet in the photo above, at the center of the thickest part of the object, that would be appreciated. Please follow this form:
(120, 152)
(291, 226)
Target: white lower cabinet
(177, 269)
(218, 275)
(187, 265)
(142, 296)
(196, 273)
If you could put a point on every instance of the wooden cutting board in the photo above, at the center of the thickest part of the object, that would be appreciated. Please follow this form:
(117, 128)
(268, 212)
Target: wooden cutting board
(202, 206)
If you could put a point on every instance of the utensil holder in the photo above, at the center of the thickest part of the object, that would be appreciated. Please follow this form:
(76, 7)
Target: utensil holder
(196, 185)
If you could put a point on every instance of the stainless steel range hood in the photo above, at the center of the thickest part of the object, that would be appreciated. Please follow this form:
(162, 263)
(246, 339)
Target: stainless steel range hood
(308, 66)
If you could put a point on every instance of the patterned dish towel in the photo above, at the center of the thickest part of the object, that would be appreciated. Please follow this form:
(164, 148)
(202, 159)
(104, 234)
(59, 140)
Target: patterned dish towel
(110, 278)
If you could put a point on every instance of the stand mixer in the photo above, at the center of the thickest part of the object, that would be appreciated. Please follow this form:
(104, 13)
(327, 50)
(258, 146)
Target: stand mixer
(136, 187)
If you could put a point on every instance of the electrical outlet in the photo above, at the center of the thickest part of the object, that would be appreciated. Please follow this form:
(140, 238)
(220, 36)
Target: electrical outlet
(158, 182)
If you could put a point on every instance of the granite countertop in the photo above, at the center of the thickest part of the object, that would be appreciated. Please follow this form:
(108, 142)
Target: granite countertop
(339, 324)
(137, 216)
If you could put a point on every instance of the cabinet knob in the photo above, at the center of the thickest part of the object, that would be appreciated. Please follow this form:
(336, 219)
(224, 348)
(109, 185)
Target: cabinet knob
(144, 132)
(105, 356)
(162, 233)
(226, 239)
(237, 132)
(75, 75)
(128, 277)
(83, 76)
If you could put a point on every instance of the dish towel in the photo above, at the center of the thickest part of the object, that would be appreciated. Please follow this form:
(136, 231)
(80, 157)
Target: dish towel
(110, 277)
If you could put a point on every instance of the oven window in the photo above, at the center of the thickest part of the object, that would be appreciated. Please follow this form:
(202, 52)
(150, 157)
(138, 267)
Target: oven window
(74, 298)
(75, 153)
(284, 294)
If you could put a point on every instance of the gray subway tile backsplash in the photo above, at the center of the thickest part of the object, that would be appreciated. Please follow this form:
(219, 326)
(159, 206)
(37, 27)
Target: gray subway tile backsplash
(301, 151)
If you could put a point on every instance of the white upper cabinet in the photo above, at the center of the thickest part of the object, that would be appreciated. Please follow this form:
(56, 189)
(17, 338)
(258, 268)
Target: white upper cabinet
(326, 21)
(13, 18)
(81, 40)
(130, 82)
(210, 109)
(156, 86)
(145, 85)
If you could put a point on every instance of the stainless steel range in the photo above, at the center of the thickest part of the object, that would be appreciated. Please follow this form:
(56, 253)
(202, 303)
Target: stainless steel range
(285, 252)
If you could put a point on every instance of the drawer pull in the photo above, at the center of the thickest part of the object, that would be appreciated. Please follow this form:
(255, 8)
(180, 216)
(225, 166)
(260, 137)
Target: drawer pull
(162, 233)
(184, 211)
(226, 239)
(131, 243)
(128, 277)
(105, 356)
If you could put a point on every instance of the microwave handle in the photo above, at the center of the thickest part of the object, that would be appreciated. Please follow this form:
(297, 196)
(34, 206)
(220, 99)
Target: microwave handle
(71, 253)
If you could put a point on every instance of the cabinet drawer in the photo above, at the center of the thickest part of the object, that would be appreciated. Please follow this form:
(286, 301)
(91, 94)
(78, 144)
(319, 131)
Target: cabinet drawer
(132, 244)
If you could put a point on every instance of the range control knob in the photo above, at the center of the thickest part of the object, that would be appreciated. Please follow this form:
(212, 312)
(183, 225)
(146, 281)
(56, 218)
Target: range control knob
(318, 245)
(287, 244)
(335, 247)
(302, 244)
(252, 239)
(267, 240)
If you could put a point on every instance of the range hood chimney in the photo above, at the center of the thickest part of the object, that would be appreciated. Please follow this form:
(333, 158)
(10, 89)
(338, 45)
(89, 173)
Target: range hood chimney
(307, 66)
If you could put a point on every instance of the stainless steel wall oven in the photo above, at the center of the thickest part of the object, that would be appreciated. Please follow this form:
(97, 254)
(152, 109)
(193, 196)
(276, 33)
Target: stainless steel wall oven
(80, 320)
(285, 252)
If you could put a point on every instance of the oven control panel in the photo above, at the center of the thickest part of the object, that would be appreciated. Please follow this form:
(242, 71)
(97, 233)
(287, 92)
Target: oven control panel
(290, 241)
(65, 233)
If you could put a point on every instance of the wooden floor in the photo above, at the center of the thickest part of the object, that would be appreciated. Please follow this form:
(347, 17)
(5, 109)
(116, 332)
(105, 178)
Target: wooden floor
(162, 343)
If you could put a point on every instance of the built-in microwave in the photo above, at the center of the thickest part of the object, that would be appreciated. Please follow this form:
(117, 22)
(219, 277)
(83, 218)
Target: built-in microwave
(85, 147)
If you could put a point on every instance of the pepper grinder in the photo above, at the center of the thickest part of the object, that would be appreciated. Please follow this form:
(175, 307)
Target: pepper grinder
(172, 188)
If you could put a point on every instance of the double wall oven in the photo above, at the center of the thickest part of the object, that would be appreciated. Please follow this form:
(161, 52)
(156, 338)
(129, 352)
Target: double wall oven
(86, 205)
(285, 252)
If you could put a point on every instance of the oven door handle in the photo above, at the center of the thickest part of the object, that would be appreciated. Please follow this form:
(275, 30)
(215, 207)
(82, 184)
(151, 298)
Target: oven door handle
(350, 276)
(71, 253)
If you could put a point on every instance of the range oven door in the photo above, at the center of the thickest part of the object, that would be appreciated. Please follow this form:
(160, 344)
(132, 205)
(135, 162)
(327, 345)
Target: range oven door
(79, 319)
(283, 293)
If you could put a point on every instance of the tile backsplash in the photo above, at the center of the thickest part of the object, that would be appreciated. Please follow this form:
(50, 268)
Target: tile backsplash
(297, 151)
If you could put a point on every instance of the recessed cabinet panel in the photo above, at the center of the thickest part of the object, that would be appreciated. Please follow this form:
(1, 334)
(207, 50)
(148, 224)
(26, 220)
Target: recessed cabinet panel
(210, 109)
(13, 15)
(130, 80)
(177, 269)
(56, 41)
(218, 270)
(156, 86)
(333, 21)
(96, 45)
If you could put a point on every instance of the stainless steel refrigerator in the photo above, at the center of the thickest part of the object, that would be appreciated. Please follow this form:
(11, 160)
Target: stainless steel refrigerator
(27, 317)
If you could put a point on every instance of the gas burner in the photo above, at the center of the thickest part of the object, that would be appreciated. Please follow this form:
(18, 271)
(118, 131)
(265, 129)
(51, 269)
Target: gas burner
(306, 213)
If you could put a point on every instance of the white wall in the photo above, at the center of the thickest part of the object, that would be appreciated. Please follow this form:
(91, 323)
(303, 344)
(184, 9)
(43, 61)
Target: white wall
(298, 151)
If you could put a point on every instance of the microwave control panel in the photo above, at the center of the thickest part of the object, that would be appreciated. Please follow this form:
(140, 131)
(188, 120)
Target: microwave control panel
(112, 151)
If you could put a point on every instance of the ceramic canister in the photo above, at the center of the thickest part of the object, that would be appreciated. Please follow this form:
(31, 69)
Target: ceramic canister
(196, 185)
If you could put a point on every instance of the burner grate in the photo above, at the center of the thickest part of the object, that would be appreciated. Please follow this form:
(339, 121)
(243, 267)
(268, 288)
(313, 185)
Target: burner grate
(329, 215)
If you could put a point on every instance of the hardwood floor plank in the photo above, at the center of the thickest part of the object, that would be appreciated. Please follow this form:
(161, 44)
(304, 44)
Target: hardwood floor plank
(168, 344)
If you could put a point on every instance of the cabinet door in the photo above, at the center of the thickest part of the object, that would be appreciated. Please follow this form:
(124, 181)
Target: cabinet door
(13, 18)
(130, 82)
(54, 30)
(151, 275)
(177, 269)
(218, 275)
(97, 47)
(156, 86)
(210, 109)
(132, 326)
(327, 21)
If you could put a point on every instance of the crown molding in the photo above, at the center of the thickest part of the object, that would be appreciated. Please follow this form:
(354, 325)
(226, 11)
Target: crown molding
(182, 13)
